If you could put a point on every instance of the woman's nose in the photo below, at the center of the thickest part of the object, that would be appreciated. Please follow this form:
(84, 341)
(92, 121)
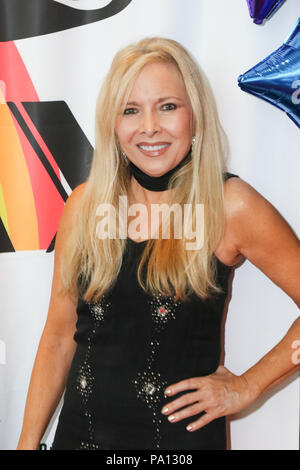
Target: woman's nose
(149, 122)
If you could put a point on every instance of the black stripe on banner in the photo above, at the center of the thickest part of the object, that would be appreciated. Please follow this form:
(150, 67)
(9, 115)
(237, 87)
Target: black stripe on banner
(64, 138)
(21, 19)
(6, 245)
(31, 139)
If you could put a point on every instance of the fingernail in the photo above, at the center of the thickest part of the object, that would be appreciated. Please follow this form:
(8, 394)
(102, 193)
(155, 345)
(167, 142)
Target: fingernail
(167, 392)
(171, 418)
(189, 427)
(165, 410)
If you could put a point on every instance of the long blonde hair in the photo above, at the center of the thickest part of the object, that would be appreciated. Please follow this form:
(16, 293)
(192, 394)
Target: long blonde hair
(171, 269)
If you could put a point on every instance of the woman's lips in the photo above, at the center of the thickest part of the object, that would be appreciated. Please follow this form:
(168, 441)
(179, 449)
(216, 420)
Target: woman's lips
(153, 150)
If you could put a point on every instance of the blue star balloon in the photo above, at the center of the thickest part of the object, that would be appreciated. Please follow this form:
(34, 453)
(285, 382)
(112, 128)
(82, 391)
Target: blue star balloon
(262, 9)
(276, 79)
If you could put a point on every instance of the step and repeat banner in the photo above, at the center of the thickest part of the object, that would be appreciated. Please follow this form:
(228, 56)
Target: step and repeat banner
(53, 57)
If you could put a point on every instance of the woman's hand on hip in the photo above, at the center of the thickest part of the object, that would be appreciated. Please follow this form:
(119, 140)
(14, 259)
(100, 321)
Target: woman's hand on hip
(219, 394)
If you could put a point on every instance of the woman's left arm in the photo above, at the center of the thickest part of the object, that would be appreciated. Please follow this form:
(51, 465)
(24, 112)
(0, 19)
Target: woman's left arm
(260, 234)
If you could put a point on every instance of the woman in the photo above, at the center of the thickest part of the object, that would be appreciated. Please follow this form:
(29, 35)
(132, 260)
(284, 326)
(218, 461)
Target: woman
(142, 371)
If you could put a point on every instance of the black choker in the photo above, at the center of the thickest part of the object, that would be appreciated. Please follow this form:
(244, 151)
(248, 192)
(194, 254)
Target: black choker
(156, 183)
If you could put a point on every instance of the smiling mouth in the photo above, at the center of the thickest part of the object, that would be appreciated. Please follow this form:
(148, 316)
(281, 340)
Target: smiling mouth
(153, 148)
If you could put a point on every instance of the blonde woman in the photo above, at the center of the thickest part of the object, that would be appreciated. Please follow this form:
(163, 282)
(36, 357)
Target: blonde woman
(134, 322)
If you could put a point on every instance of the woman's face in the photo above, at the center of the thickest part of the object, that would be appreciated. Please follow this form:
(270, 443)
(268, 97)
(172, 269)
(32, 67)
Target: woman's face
(154, 131)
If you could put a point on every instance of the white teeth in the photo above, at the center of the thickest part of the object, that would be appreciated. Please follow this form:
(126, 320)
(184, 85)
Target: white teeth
(153, 148)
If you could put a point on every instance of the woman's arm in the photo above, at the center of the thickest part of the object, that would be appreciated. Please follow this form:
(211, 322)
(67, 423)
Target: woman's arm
(56, 348)
(255, 230)
(261, 234)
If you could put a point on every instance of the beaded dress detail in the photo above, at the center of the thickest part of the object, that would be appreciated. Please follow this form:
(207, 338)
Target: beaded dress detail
(130, 347)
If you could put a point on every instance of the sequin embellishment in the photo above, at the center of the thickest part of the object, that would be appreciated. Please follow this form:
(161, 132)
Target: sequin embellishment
(149, 388)
(149, 384)
(97, 310)
(163, 310)
(84, 381)
(85, 377)
(89, 446)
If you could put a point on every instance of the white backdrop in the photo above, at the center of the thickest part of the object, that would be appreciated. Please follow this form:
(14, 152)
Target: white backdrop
(70, 66)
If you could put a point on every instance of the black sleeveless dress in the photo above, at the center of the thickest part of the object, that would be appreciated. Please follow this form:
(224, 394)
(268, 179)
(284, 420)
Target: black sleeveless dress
(130, 347)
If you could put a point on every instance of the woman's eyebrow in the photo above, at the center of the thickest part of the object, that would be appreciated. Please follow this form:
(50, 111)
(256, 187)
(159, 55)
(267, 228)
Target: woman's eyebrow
(169, 98)
(134, 103)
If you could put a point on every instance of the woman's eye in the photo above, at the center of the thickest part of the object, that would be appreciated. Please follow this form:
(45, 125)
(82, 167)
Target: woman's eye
(169, 106)
(130, 111)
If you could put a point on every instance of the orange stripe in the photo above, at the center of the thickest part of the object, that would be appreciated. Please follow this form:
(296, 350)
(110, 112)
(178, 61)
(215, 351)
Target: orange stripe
(16, 186)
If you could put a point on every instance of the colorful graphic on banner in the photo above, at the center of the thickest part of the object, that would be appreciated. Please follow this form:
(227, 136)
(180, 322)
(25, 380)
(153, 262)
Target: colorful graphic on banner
(37, 141)
(52, 17)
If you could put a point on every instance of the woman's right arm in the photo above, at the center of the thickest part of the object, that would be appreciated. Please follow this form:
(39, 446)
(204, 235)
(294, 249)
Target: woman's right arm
(56, 348)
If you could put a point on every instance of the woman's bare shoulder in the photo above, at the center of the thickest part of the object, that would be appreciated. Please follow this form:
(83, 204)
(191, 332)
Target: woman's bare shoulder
(239, 194)
(240, 199)
(70, 208)
(244, 208)
(76, 194)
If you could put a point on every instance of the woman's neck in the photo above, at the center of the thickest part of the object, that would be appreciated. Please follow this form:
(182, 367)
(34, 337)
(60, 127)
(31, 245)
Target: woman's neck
(139, 194)
(150, 189)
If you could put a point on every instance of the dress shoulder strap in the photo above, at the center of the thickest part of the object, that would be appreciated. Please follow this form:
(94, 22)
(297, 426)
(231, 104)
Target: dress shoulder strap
(227, 175)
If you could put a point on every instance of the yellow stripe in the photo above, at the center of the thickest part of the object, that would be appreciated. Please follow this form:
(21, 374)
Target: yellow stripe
(3, 214)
